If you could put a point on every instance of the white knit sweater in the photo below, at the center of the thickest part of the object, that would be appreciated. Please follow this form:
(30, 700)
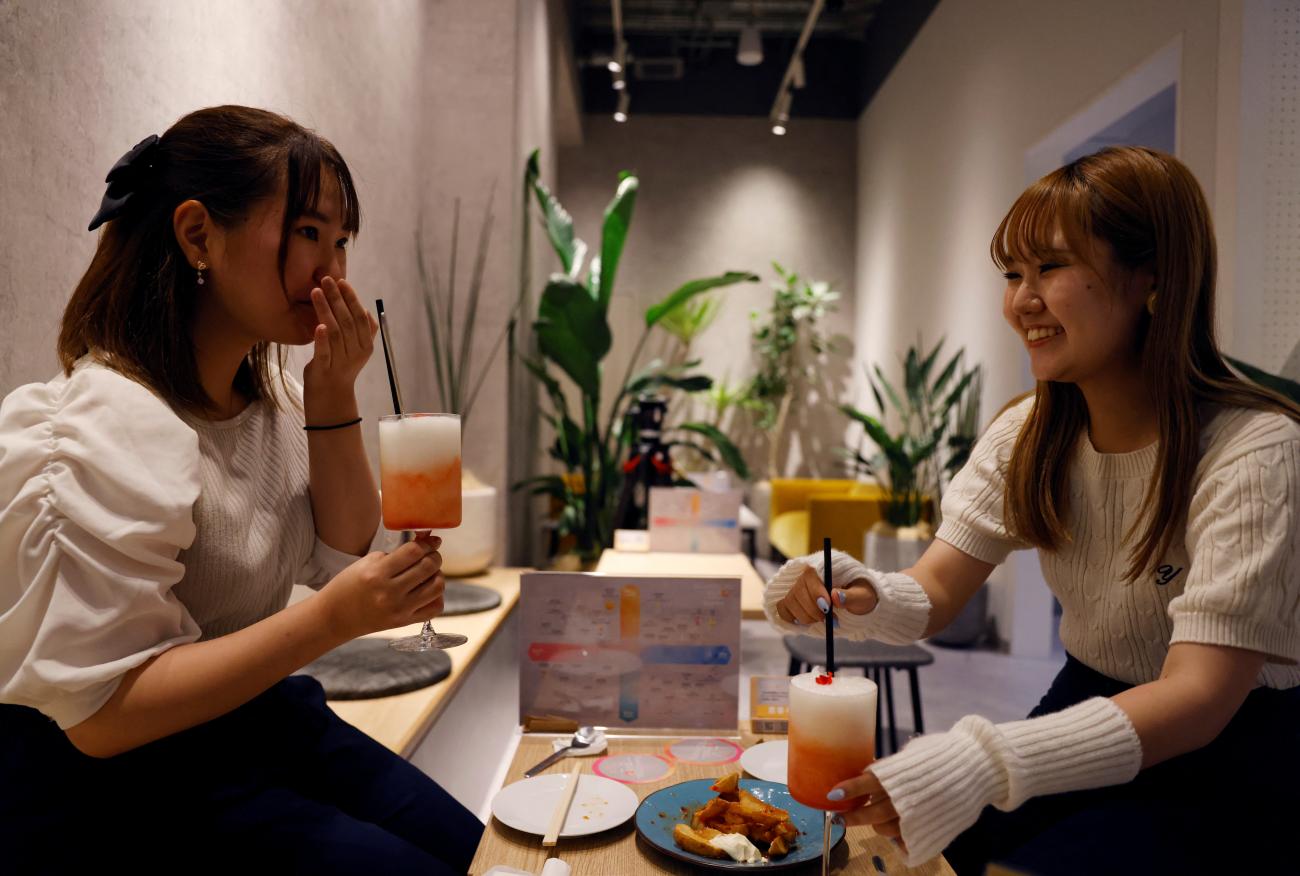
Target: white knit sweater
(126, 529)
(1232, 576)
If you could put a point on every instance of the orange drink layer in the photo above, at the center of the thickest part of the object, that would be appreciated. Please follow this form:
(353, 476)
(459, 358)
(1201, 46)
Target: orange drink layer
(422, 499)
(815, 769)
(832, 736)
(419, 471)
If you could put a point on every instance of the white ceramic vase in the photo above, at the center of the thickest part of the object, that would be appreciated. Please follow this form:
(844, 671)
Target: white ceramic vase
(889, 549)
(469, 548)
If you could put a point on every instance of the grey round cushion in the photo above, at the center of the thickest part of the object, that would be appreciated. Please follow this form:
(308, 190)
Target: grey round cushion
(462, 598)
(366, 668)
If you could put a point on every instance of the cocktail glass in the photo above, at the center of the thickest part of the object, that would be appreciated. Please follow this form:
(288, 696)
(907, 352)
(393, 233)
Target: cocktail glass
(832, 737)
(419, 474)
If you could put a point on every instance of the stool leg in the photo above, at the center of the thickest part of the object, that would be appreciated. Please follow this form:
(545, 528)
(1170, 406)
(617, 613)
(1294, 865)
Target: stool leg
(889, 700)
(794, 666)
(918, 725)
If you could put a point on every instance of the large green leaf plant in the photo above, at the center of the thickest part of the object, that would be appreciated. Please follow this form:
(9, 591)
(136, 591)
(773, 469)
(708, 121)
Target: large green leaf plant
(909, 459)
(593, 435)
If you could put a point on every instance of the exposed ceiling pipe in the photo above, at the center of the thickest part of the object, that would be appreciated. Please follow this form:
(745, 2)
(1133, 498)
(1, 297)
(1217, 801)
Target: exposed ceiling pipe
(780, 113)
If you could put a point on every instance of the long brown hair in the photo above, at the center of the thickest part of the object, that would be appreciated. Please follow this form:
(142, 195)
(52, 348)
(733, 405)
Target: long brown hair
(134, 306)
(1149, 208)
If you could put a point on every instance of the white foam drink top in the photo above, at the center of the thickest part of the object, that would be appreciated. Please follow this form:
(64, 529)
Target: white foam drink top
(416, 443)
(839, 713)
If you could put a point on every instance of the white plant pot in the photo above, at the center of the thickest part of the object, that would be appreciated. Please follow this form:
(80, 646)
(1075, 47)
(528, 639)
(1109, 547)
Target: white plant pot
(891, 549)
(760, 502)
(469, 548)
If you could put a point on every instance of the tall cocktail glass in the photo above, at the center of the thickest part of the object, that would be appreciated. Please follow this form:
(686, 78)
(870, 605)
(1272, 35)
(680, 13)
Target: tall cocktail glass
(419, 474)
(832, 738)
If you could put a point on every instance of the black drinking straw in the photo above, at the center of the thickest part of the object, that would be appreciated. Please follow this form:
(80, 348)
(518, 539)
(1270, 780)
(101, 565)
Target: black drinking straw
(388, 359)
(830, 601)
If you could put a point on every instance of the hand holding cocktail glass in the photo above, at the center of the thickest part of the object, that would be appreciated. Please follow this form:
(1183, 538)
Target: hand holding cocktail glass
(419, 475)
(832, 733)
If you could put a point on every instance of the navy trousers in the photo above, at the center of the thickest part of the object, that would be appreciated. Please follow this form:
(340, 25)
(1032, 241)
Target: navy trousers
(280, 782)
(1226, 808)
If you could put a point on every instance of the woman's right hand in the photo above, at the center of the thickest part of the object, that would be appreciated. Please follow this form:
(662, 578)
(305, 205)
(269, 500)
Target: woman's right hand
(806, 602)
(381, 590)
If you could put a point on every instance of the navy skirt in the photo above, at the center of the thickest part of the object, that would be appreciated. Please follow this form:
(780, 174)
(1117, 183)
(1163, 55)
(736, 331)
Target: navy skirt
(1226, 808)
(281, 782)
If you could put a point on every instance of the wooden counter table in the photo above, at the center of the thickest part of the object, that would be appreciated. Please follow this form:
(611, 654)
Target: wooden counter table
(399, 722)
(614, 562)
(618, 851)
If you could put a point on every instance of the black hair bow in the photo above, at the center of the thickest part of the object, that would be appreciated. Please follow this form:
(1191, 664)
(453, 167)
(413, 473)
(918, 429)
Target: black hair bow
(124, 180)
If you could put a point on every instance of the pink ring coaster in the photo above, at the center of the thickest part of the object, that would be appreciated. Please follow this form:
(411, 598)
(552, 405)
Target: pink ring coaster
(704, 750)
(633, 769)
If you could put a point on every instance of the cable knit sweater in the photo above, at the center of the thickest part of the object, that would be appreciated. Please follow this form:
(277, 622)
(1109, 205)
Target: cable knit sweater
(126, 529)
(1231, 577)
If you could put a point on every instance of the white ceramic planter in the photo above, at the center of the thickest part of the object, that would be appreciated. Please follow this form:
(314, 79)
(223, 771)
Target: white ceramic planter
(890, 549)
(469, 548)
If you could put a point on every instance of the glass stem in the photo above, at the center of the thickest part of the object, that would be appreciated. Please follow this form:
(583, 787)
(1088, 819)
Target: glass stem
(826, 843)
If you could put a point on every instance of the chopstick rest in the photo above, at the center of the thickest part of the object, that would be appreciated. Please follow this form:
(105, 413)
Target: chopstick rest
(562, 808)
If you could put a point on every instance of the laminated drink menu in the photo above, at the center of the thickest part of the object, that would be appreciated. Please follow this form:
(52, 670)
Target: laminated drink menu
(627, 651)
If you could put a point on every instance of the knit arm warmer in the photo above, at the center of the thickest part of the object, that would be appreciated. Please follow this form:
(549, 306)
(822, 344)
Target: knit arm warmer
(939, 783)
(900, 615)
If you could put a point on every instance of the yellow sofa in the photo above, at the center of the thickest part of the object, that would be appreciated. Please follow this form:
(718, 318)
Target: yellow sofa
(806, 510)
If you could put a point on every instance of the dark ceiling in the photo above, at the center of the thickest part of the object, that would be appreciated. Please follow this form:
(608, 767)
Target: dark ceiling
(683, 54)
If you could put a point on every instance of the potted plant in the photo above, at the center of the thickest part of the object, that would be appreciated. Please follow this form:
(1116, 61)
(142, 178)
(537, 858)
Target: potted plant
(458, 378)
(910, 461)
(592, 434)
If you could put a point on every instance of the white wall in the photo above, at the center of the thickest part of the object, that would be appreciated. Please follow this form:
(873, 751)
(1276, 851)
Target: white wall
(722, 194)
(426, 99)
(941, 157)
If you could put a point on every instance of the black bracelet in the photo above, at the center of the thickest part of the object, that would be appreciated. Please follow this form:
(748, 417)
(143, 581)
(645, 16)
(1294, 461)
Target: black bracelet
(335, 426)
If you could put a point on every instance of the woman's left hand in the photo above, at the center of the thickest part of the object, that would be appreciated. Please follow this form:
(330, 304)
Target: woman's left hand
(877, 810)
(343, 343)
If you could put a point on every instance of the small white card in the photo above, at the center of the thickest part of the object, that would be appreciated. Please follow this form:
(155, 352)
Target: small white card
(691, 521)
(635, 541)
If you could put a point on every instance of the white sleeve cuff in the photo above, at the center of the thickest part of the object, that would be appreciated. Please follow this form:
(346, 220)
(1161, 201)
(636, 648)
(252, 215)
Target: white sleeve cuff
(940, 783)
(900, 617)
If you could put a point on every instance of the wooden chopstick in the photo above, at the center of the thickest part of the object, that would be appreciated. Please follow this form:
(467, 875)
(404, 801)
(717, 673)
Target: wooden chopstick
(562, 808)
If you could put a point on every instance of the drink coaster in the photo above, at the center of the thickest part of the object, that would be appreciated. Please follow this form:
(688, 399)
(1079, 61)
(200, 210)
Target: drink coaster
(367, 668)
(704, 750)
(461, 597)
(633, 769)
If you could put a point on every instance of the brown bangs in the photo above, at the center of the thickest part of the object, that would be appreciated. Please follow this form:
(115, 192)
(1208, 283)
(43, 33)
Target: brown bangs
(1026, 232)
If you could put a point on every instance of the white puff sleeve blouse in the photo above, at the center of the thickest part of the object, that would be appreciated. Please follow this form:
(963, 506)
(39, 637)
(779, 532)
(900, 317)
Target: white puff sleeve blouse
(97, 482)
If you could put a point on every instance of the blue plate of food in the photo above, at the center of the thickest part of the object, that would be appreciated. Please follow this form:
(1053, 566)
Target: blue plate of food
(685, 821)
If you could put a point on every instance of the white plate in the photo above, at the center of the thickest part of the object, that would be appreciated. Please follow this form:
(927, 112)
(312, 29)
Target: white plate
(766, 761)
(598, 804)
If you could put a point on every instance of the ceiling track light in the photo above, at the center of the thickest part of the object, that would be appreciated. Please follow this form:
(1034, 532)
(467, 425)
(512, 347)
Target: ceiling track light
(619, 62)
(749, 52)
(624, 101)
(794, 72)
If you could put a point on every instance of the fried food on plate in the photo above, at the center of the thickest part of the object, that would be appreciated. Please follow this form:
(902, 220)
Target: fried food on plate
(737, 811)
(695, 841)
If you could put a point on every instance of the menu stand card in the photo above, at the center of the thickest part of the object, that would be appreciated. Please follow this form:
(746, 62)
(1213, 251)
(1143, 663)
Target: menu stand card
(687, 520)
(626, 651)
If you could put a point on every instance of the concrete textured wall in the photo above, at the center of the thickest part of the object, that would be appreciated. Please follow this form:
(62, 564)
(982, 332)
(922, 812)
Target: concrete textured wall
(720, 194)
(420, 96)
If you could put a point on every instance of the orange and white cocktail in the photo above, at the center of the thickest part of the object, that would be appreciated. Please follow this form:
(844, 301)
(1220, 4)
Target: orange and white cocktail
(832, 736)
(419, 471)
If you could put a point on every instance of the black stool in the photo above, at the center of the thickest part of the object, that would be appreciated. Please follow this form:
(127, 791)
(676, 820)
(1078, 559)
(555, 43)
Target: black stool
(876, 659)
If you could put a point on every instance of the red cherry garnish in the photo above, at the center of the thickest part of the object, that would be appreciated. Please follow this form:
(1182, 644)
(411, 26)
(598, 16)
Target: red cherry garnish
(825, 678)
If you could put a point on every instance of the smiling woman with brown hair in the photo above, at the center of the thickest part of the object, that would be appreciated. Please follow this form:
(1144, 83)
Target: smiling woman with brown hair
(158, 501)
(1163, 495)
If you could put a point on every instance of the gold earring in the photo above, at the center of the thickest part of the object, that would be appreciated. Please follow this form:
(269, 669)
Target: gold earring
(200, 268)
(1151, 304)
